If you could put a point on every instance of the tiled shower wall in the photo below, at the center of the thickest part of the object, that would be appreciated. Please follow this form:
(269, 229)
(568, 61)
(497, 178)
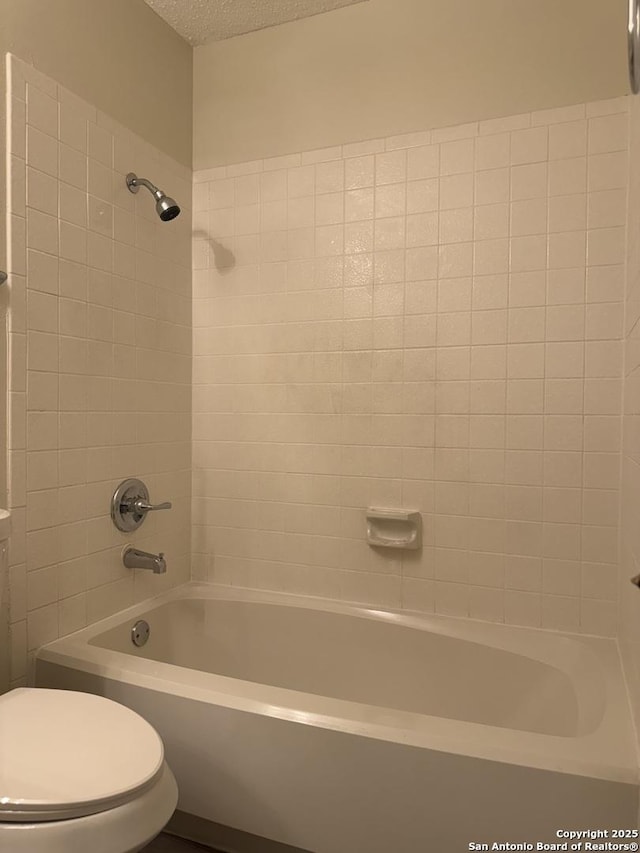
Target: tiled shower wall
(100, 351)
(430, 321)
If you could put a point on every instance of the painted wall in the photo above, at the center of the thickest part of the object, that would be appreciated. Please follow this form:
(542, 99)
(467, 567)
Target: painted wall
(100, 362)
(428, 321)
(117, 55)
(392, 66)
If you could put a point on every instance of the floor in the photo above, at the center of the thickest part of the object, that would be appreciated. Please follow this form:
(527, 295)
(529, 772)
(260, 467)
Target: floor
(170, 844)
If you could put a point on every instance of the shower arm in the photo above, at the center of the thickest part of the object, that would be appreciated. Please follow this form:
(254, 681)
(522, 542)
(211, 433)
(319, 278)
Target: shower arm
(134, 183)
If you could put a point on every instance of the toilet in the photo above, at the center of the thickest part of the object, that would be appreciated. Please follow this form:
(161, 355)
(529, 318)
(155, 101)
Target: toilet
(79, 774)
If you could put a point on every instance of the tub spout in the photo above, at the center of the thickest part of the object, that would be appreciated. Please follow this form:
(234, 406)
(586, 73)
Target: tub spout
(135, 559)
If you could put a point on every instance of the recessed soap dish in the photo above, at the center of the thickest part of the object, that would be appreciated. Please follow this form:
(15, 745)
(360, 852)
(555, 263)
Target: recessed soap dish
(394, 528)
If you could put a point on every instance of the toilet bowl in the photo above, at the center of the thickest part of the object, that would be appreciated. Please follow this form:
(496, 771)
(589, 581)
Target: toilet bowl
(79, 774)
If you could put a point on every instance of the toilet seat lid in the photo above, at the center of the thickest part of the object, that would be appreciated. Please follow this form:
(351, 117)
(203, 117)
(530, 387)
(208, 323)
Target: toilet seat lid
(65, 754)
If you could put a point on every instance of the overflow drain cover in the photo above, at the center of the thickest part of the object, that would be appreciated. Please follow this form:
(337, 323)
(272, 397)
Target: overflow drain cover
(140, 633)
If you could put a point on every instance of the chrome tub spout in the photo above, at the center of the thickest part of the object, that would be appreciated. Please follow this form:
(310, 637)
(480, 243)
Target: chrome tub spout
(135, 559)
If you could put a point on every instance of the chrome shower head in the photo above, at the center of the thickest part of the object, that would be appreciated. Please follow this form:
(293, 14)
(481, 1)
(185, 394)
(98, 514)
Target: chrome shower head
(167, 208)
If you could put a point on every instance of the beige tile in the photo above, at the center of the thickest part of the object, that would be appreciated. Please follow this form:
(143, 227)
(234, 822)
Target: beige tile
(568, 139)
(423, 162)
(608, 133)
(42, 151)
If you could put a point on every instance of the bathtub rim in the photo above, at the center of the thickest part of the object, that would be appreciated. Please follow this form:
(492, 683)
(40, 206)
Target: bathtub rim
(608, 753)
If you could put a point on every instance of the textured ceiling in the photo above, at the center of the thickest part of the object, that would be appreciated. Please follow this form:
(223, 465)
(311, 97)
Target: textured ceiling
(200, 21)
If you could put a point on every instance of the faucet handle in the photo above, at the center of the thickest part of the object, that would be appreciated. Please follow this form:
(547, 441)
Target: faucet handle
(141, 506)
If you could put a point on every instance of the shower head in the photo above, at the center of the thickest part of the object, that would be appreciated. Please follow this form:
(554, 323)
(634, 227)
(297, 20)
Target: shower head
(166, 208)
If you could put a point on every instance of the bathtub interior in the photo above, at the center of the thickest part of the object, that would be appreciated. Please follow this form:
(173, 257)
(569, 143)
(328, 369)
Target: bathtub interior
(367, 659)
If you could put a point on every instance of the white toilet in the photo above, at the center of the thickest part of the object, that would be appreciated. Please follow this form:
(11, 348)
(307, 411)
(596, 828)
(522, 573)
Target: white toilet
(79, 774)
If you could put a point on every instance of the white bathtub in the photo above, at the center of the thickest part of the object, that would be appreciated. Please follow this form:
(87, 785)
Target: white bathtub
(339, 729)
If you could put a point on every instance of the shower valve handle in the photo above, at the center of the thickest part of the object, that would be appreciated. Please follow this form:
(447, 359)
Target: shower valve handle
(130, 505)
(141, 506)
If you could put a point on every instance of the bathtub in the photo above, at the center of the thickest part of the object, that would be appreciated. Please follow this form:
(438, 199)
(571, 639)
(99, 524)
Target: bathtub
(337, 729)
